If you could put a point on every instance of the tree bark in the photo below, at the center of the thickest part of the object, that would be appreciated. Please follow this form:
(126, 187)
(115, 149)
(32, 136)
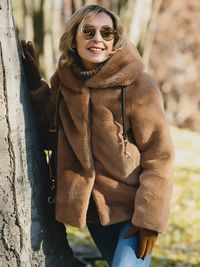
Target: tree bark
(139, 16)
(30, 236)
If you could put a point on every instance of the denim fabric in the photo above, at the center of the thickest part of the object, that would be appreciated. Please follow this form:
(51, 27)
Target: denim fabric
(118, 251)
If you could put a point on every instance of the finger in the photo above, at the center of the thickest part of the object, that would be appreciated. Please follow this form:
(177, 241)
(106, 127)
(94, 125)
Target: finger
(31, 50)
(23, 48)
(32, 64)
(142, 246)
(28, 55)
(148, 249)
(23, 43)
(150, 245)
(31, 72)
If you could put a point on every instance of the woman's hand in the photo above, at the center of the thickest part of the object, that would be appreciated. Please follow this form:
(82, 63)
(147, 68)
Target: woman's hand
(31, 65)
(147, 239)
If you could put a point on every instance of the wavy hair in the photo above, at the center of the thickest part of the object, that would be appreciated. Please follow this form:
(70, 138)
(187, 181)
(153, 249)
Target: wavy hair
(67, 41)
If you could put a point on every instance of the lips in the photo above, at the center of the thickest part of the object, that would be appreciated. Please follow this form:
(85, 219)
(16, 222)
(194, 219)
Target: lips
(96, 49)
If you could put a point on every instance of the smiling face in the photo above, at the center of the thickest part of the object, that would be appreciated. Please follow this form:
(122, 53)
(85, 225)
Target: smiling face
(94, 50)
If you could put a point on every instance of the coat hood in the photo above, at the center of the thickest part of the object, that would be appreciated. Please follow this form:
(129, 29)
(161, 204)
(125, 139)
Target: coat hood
(121, 69)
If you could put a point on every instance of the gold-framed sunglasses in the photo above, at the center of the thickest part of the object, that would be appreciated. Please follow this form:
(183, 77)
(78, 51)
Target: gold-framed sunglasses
(107, 33)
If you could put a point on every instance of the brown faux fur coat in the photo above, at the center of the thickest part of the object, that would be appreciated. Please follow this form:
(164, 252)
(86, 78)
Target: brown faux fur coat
(90, 154)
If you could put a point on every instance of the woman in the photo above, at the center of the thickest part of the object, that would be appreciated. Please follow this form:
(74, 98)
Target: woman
(114, 162)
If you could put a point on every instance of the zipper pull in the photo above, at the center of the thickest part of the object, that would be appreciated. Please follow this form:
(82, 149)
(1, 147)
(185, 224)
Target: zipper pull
(126, 152)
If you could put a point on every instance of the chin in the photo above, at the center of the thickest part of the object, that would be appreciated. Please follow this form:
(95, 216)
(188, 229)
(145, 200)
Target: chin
(94, 60)
(98, 60)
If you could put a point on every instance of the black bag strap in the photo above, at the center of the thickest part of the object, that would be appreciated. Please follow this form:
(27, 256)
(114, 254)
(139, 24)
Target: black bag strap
(123, 110)
(53, 130)
(54, 126)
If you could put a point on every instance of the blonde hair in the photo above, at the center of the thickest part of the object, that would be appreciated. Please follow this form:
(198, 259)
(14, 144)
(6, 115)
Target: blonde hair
(67, 41)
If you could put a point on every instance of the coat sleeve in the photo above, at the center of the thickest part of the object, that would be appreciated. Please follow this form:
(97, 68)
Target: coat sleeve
(44, 104)
(152, 135)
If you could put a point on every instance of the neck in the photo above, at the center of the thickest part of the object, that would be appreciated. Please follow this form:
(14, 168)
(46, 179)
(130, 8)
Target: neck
(89, 66)
(85, 74)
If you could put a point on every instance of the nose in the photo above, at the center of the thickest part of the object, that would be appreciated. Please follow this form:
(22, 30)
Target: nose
(97, 37)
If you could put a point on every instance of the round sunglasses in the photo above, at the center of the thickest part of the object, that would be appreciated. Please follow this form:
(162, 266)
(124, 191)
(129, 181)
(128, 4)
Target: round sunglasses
(107, 33)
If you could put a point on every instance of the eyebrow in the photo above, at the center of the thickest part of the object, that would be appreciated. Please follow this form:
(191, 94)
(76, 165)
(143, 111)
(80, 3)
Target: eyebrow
(90, 25)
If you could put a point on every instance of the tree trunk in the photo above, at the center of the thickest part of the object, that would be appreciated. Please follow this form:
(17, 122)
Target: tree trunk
(30, 236)
(139, 16)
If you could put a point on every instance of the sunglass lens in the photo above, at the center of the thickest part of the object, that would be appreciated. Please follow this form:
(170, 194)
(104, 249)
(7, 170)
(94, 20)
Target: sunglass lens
(107, 34)
(88, 32)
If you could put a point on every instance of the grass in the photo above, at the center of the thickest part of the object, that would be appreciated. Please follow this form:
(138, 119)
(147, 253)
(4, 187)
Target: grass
(180, 245)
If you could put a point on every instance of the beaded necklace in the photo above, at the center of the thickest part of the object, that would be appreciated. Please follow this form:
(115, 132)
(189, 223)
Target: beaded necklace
(86, 74)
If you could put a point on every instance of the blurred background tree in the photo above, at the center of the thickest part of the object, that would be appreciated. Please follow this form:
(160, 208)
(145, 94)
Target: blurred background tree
(164, 32)
(175, 61)
(43, 22)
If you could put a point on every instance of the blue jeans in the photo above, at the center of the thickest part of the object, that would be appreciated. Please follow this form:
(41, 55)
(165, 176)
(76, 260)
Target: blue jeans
(117, 251)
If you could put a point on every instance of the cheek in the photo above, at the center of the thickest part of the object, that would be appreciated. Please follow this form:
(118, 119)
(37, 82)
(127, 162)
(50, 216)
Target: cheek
(79, 42)
(111, 46)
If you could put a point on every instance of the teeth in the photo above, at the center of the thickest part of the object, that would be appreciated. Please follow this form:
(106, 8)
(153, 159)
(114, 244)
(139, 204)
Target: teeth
(95, 49)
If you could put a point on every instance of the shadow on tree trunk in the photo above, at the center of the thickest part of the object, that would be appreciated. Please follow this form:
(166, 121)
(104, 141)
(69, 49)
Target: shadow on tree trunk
(48, 236)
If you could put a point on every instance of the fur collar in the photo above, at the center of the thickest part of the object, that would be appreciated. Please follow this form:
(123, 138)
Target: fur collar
(120, 70)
